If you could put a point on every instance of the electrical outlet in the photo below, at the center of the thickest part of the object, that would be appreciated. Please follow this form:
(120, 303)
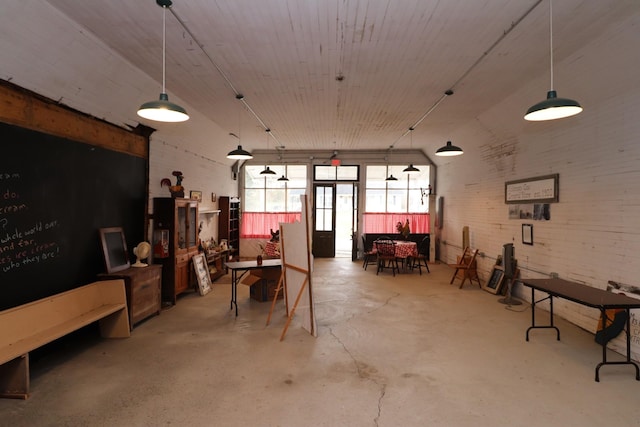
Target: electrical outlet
(553, 275)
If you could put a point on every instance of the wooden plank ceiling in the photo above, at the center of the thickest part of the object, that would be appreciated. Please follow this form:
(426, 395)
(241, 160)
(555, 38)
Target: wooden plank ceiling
(342, 74)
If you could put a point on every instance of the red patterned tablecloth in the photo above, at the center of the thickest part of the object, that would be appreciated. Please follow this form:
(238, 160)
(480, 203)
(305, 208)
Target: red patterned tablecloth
(272, 249)
(404, 248)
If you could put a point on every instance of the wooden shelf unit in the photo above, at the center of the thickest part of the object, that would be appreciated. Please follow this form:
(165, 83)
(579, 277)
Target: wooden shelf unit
(179, 217)
(229, 223)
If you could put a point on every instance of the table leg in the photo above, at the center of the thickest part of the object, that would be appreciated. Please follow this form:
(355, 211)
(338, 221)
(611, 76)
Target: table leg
(234, 291)
(604, 348)
(533, 315)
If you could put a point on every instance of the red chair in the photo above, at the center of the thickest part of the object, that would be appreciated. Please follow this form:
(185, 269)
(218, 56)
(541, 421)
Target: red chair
(386, 256)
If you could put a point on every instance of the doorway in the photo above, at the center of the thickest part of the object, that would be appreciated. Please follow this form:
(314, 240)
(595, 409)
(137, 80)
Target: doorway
(335, 220)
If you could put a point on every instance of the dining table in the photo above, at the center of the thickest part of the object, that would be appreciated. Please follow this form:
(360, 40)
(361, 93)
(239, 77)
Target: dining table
(404, 249)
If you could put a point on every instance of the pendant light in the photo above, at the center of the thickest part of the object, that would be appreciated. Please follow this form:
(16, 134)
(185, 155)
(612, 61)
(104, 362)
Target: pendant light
(388, 158)
(267, 172)
(553, 107)
(239, 153)
(283, 178)
(163, 110)
(449, 150)
(411, 168)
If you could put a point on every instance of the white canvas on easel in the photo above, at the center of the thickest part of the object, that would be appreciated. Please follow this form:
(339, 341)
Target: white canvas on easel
(297, 266)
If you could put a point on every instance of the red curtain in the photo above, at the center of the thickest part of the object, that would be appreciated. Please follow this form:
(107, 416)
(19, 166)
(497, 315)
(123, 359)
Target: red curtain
(258, 224)
(386, 222)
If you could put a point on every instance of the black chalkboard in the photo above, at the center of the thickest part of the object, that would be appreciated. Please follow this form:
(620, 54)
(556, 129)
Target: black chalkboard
(55, 194)
(495, 280)
(114, 249)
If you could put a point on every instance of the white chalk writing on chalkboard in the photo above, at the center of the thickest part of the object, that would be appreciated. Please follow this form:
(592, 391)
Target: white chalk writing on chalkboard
(20, 245)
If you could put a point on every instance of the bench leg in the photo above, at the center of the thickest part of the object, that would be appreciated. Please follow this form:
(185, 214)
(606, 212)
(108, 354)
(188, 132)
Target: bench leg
(116, 325)
(14, 378)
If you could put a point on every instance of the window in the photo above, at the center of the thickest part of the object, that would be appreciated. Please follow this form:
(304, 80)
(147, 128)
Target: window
(268, 202)
(335, 173)
(390, 202)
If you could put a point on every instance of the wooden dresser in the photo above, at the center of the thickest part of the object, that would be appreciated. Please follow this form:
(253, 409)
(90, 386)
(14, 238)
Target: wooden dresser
(142, 285)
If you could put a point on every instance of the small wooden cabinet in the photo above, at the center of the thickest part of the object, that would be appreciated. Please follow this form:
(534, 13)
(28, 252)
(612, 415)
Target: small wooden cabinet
(142, 286)
(175, 242)
(217, 264)
(229, 223)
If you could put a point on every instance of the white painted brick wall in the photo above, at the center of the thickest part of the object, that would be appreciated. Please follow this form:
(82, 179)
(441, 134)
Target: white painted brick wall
(593, 234)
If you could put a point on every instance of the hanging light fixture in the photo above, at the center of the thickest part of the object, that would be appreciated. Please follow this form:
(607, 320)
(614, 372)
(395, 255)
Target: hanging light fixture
(267, 172)
(388, 158)
(163, 110)
(239, 153)
(284, 165)
(411, 168)
(449, 150)
(553, 107)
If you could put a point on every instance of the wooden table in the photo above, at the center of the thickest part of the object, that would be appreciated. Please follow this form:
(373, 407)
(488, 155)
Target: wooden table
(585, 295)
(244, 267)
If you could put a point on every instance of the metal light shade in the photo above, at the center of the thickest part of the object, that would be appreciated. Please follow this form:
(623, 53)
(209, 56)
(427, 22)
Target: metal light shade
(239, 154)
(391, 178)
(553, 108)
(410, 169)
(163, 110)
(449, 150)
(267, 171)
(283, 178)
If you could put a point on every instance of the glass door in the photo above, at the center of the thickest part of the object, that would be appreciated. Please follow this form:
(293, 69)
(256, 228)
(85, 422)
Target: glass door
(324, 220)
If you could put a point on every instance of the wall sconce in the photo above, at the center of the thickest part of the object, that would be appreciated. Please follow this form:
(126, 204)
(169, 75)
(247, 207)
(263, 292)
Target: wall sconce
(425, 192)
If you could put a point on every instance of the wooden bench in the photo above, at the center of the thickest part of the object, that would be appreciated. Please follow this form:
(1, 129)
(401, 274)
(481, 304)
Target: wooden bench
(26, 327)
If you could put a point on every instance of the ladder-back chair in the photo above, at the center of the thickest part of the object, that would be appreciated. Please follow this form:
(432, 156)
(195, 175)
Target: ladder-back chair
(386, 255)
(423, 251)
(467, 267)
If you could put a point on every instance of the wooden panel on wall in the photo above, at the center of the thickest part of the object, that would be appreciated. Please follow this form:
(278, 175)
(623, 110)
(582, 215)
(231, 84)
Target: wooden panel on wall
(28, 110)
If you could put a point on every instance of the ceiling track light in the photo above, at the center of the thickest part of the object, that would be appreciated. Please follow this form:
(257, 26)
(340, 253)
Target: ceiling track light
(449, 150)
(163, 110)
(553, 107)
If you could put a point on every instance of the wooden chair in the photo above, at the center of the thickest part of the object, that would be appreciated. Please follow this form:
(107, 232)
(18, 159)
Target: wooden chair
(368, 254)
(467, 266)
(421, 259)
(386, 256)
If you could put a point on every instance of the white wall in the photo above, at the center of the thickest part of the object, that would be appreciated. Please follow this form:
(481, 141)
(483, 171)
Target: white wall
(43, 51)
(592, 236)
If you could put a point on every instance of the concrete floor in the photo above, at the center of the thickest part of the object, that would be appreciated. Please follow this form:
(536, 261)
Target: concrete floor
(405, 351)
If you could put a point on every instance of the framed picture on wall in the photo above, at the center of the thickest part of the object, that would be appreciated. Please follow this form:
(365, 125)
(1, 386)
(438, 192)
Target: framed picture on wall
(196, 195)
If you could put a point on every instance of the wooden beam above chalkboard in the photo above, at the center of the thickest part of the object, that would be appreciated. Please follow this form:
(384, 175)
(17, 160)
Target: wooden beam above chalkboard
(29, 110)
